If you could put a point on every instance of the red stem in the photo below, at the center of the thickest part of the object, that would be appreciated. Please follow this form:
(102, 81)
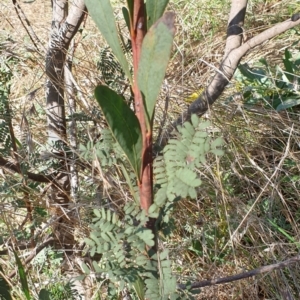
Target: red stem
(138, 32)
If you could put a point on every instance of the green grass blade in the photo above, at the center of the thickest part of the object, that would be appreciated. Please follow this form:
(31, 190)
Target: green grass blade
(123, 123)
(281, 230)
(102, 14)
(289, 68)
(155, 56)
(23, 277)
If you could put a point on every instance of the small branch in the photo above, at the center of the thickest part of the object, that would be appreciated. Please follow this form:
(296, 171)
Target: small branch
(33, 254)
(32, 176)
(22, 17)
(226, 71)
(230, 64)
(244, 275)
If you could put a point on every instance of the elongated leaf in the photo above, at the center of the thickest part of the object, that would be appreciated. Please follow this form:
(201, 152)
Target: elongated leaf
(155, 56)
(251, 74)
(126, 17)
(102, 14)
(130, 7)
(23, 277)
(123, 123)
(292, 101)
(155, 9)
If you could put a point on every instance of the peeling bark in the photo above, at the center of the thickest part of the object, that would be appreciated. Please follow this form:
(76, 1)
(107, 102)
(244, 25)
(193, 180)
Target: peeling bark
(64, 27)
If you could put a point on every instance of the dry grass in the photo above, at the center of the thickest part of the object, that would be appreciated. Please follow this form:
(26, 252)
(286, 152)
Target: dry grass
(254, 186)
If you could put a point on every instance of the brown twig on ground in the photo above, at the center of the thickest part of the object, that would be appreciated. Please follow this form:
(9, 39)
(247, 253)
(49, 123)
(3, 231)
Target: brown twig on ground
(240, 276)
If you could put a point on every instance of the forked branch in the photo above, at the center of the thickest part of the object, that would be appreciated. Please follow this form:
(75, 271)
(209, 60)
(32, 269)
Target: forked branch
(234, 51)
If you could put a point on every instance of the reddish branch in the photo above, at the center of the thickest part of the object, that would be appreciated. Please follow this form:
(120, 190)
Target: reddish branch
(244, 275)
(138, 32)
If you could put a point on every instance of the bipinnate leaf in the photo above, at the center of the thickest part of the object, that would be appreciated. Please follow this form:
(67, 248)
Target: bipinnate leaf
(85, 268)
(147, 236)
(155, 54)
(155, 9)
(23, 277)
(102, 14)
(123, 123)
(96, 267)
(217, 142)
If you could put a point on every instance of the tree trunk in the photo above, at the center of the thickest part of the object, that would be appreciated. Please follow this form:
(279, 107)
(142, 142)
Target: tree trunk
(63, 28)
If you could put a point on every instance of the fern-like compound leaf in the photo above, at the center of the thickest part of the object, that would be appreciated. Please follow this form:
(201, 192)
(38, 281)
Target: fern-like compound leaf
(85, 268)
(160, 197)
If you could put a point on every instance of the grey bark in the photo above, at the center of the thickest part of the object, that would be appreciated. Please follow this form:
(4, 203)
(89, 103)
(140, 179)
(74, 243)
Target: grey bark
(63, 28)
(70, 95)
(72, 136)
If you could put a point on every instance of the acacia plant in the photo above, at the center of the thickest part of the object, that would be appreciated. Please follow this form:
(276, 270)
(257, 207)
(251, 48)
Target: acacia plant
(129, 250)
(151, 52)
(129, 246)
(126, 241)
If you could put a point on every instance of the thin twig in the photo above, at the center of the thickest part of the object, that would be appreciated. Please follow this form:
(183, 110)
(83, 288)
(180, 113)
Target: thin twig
(33, 176)
(244, 275)
(33, 254)
(32, 35)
